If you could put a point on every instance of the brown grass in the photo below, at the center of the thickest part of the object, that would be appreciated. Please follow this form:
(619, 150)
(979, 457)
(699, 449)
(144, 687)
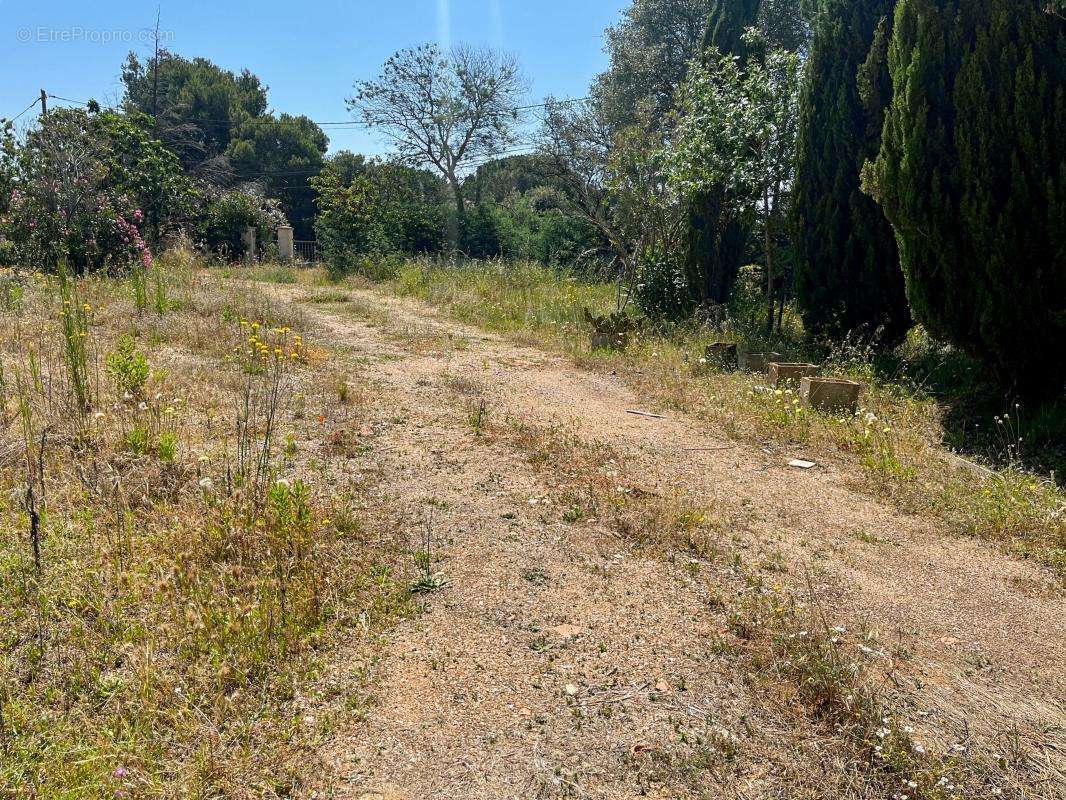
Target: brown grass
(194, 564)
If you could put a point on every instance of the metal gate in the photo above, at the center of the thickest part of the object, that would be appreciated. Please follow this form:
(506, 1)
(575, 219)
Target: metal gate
(307, 252)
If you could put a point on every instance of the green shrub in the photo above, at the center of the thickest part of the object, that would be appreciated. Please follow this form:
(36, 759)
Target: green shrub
(229, 214)
(662, 290)
(128, 368)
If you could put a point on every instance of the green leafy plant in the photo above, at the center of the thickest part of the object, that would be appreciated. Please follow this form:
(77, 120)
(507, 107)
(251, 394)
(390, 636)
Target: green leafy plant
(75, 317)
(128, 368)
(616, 324)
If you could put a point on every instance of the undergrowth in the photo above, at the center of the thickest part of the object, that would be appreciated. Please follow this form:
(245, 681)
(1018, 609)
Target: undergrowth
(168, 580)
(896, 439)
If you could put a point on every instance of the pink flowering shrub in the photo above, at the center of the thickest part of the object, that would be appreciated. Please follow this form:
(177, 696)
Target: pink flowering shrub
(92, 191)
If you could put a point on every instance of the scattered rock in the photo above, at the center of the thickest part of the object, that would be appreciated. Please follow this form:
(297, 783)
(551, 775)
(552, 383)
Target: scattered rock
(568, 631)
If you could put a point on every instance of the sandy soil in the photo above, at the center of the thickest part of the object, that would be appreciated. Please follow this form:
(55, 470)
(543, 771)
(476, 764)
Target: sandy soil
(559, 661)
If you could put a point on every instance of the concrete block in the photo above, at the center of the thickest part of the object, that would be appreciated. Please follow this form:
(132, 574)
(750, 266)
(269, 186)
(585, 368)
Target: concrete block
(757, 362)
(286, 251)
(780, 374)
(722, 355)
(830, 394)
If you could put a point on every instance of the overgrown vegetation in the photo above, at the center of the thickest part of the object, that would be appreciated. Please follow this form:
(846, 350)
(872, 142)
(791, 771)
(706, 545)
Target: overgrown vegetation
(168, 579)
(897, 437)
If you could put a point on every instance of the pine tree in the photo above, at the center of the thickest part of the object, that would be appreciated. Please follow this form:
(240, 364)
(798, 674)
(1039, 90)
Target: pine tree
(972, 176)
(718, 238)
(848, 276)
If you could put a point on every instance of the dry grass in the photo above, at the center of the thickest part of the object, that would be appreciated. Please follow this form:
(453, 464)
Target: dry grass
(172, 566)
(782, 634)
(895, 441)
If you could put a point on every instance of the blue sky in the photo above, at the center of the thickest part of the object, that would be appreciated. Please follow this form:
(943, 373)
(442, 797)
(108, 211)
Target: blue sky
(308, 53)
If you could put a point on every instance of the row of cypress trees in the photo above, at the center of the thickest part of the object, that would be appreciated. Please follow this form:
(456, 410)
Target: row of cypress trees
(931, 179)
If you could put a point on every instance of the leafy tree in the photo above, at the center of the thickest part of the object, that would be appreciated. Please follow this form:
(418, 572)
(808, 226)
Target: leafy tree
(281, 155)
(613, 181)
(480, 235)
(786, 24)
(501, 178)
(444, 111)
(848, 278)
(650, 51)
(197, 107)
(346, 165)
(141, 169)
(737, 133)
(383, 209)
(972, 176)
(717, 238)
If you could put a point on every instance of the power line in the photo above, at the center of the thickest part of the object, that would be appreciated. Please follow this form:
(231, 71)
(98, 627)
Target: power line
(68, 100)
(36, 100)
(350, 123)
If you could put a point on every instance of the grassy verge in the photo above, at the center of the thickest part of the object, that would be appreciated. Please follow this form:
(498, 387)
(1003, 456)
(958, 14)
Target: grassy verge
(172, 565)
(896, 440)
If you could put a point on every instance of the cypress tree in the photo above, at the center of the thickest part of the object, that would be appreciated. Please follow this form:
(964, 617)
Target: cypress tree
(848, 276)
(972, 176)
(718, 239)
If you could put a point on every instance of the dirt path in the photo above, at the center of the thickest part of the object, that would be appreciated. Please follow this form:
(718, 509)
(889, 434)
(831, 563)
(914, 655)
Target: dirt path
(559, 662)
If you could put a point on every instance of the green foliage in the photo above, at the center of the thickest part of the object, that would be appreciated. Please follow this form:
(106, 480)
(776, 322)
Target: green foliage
(85, 186)
(383, 209)
(479, 233)
(650, 50)
(229, 213)
(717, 238)
(848, 278)
(197, 106)
(281, 155)
(617, 323)
(217, 123)
(140, 168)
(128, 368)
(662, 291)
(972, 176)
(736, 141)
(75, 322)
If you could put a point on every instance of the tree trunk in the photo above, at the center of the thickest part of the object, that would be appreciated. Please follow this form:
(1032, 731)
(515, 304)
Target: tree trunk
(456, 223)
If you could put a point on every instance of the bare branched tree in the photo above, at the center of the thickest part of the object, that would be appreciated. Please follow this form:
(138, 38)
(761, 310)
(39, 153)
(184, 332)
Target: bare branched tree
(444, 111)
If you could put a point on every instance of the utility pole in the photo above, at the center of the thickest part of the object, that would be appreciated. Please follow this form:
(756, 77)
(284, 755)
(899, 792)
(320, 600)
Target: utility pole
(44, 103)
(155, 76)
